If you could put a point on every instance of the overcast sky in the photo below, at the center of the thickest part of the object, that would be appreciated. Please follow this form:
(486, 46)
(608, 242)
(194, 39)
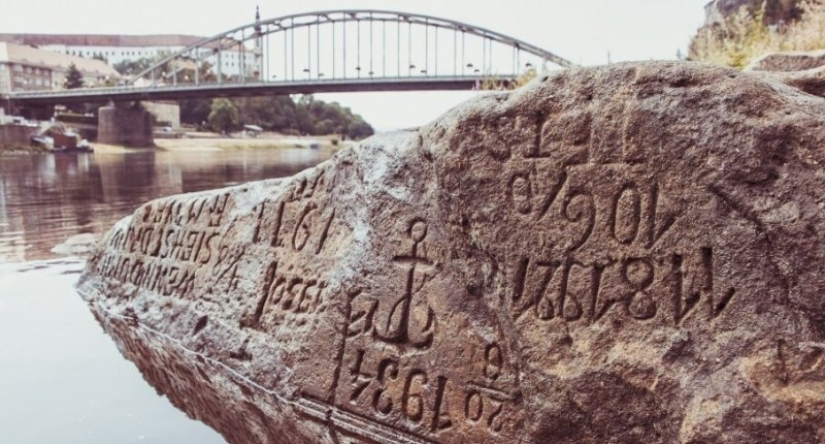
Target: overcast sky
(583, 31)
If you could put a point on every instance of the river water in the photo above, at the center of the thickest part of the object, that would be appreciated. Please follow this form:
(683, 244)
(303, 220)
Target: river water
(62, 380)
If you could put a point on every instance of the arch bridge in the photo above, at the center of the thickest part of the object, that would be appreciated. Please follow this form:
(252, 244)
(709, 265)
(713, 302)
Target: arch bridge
(324, 51)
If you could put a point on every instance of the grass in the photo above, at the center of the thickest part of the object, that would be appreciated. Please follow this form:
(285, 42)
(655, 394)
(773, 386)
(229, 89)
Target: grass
(744, 37)
(496, 84)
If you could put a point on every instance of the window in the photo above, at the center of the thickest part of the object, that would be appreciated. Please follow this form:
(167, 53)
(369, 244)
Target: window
(18, 68)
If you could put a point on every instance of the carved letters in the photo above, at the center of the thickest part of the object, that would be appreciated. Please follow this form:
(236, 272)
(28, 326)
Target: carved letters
(640, 288)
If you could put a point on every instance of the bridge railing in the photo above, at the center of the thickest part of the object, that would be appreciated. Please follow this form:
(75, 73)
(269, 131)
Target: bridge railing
(104, 93)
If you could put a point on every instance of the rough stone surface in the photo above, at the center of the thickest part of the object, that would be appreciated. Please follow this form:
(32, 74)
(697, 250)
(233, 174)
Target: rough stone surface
(624, 254)
(788, 61)
(804, 70)
(125, 125)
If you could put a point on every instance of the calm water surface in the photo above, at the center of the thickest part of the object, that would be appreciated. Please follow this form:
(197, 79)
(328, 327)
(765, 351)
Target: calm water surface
(62, 379)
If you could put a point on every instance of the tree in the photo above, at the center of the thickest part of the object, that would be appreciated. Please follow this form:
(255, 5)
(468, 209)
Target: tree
(132, 67)
(195, 111)
(224, 115)
(359, 129)
(74, 78)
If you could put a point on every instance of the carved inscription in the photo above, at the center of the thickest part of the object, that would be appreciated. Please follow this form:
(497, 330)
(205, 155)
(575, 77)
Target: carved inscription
(298, 222)
(151, 274)
(388, 368)
(599, 254)
(284, 293)
(388, 387)
(399, 327)
(640, 288)
(159, 251)
(629, 215)
(396, 387)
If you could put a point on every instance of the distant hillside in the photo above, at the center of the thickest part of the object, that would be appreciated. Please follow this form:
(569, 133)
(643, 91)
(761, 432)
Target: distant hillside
(739, 31)
(776, 11)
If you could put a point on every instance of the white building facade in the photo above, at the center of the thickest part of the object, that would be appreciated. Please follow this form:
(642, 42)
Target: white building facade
(23, 68)
(235, 60)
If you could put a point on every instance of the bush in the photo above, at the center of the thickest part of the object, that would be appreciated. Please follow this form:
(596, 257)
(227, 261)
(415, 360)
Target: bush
(224, 116)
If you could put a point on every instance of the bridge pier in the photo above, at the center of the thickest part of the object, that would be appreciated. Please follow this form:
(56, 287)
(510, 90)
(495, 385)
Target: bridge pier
(124, 124)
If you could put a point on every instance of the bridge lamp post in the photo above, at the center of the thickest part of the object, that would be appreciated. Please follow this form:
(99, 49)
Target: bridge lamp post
(412, 67)
(306, 70)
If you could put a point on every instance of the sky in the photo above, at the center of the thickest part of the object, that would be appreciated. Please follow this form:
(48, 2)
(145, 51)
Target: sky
(587, 32)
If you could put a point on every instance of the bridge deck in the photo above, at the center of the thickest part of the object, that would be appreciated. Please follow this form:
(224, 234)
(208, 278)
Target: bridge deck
(209, 90)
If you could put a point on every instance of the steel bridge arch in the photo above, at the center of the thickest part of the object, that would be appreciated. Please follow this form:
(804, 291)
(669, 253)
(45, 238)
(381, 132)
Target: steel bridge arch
(295, 21)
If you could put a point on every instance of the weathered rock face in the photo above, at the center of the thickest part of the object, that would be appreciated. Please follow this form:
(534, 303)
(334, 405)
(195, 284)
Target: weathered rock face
(804, 70)
(622, 254)
(776, 11)
(788, 61)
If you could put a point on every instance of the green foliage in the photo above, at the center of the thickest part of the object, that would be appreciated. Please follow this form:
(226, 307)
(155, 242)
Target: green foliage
(74, 78)
(130, 68)
(224, 116)
(195, 111)
(282, 114)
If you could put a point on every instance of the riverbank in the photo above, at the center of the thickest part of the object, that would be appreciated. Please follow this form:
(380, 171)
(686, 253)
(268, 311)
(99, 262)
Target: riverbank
(21, 149)
(202, 141)
(215, 142)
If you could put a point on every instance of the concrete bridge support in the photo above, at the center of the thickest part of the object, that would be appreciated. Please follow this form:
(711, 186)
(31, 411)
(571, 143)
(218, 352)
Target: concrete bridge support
(124, 124)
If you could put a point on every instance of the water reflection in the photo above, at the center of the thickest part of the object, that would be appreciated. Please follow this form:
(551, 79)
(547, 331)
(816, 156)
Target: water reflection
(62, 380)
(45, 199)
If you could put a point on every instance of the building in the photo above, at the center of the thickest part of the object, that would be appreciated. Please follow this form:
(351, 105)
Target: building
(131, 48)
(24, 68)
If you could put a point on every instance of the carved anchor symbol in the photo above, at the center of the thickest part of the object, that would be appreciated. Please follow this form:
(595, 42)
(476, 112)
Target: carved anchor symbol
(400, 332)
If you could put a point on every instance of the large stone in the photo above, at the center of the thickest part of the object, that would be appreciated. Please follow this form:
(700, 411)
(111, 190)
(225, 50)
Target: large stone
(624, 254)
